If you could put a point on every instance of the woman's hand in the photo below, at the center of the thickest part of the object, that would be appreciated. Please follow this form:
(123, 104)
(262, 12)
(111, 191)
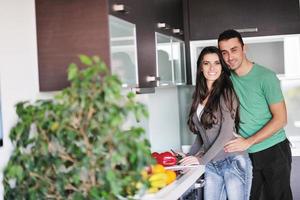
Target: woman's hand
(189, 160)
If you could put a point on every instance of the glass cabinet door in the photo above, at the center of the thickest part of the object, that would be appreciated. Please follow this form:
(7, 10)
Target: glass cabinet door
(178, 58)
(123, 51)
(164, 59)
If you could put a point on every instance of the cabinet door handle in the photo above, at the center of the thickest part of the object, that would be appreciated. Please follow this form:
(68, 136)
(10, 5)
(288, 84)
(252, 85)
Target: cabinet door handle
(120, 8)
(247, 30)
(162, 25)
(177, 31)
(152, 78)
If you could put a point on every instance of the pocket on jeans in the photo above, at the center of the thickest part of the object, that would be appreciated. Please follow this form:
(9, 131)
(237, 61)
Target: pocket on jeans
(240, 164)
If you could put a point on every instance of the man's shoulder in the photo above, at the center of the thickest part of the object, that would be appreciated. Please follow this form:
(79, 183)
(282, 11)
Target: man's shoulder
(262, 70)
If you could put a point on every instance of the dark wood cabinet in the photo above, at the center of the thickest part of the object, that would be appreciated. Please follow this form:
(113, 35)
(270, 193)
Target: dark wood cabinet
(66, 29)
(140, 13)
(145, 15)
(207, 19)
(169, 12)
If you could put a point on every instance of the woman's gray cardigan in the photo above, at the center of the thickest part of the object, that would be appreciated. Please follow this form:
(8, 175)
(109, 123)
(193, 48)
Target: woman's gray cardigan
(209, 143)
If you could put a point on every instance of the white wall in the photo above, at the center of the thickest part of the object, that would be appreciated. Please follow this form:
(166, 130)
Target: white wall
(18, 68)
(164, 126)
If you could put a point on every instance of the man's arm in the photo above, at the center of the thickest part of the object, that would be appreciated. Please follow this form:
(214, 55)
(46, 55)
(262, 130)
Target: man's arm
(278, 121)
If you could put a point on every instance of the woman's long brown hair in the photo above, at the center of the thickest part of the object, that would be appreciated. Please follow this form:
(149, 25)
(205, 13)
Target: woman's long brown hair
(222, 87)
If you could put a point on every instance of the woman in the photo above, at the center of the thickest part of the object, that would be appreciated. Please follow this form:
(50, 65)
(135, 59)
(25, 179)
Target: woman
(214, 118)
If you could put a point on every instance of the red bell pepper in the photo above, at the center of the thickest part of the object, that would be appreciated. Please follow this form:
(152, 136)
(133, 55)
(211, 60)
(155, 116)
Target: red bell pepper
(166, 160)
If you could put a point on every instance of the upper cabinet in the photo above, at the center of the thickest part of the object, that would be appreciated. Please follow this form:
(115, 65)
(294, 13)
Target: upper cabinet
(123, 51)
(141, 14)
(170, 56)
(207, 19)
(169, 17)
(121, 32)
(66, 29)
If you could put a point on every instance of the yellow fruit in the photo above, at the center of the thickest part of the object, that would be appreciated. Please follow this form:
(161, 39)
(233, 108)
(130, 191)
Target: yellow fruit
(152, 190)
(171, 176)
(158, 177)
(144, 174)
(157, 168)
(139, 185)
(158, 183)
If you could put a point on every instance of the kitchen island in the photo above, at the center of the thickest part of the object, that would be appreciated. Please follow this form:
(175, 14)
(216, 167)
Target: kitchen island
(176, 189)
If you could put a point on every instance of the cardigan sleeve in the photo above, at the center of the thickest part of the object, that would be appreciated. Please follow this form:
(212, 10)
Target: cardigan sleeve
(197, 146)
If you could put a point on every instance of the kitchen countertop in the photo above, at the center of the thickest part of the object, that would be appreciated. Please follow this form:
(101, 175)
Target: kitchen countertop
(176, 189)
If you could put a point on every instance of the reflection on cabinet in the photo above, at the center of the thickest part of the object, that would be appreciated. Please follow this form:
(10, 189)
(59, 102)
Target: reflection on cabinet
(208, 19)
(123, 51)
(170, 60)
(140, 13)
(179, 64)
(66, 29)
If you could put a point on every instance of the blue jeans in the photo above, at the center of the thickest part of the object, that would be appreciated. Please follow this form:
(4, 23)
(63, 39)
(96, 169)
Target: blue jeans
(229, 178)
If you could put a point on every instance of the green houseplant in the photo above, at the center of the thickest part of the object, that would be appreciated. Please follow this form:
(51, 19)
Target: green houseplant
(74, 146)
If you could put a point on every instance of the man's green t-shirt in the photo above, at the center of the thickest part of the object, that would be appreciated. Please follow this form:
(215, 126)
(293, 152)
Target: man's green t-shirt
(256, 91)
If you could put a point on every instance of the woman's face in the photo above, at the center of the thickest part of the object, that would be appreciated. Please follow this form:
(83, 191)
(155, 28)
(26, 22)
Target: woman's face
(211, 67)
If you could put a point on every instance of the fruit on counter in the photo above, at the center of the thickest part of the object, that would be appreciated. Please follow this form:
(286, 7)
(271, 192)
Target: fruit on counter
(159, 178)
(158, 168)
(171, 176)
(153, 190)
(155, 154)
(146, 172)
(165, 158)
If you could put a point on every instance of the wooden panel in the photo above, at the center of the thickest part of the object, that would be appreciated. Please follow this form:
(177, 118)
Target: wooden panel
(141, 13)
(170, 12)
(209, 18)
(145, 42)
(65, 29)
(130, 7)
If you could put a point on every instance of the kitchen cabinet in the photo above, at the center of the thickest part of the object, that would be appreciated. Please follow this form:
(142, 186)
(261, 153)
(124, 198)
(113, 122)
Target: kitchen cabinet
(170, 56)
(169, 17)
(146, 15)
(179, 62)
(207, 19)
(123, 51)
(140, 13)
(66, 29)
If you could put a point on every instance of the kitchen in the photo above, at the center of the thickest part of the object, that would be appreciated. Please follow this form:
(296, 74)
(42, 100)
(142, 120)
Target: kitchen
(20, 73)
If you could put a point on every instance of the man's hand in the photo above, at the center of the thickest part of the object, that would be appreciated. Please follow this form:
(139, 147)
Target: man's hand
(239, 144)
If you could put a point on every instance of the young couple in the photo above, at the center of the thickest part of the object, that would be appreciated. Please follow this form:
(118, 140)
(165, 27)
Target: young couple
(238, 113)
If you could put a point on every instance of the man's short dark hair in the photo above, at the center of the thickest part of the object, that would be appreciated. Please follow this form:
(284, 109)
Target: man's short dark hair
(229, 34)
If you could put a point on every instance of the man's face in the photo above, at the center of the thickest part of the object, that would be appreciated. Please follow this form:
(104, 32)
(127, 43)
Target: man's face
(232, 52)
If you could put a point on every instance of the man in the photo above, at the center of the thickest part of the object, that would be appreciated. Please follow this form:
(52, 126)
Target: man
(263, 116)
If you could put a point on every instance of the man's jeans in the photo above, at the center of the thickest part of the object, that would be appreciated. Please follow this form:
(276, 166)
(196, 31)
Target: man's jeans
(229, 178)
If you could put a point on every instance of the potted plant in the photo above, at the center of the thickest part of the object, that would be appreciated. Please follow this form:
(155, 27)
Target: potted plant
(74, 146)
